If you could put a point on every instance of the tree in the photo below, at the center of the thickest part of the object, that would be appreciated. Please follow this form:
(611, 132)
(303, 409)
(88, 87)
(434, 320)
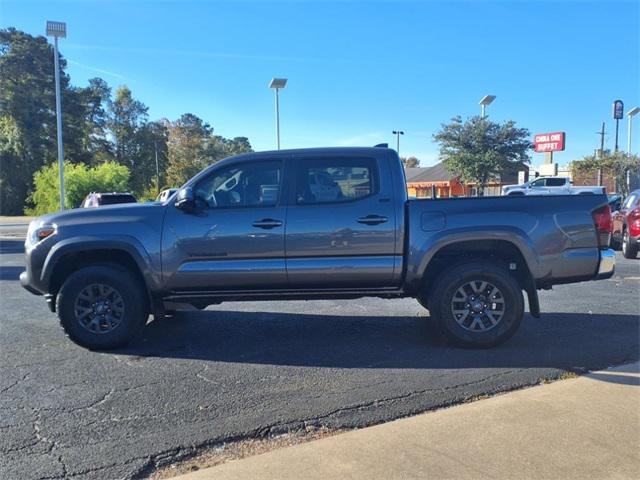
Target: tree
(480, 150)
(617, 164)
(131, 140)
(191, 147)
(410, 162)
(80, 180)
(188, 148)
(96, 127)
(95, 99)
(27, 113)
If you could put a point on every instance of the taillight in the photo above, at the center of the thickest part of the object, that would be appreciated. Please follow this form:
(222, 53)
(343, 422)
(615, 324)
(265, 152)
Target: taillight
(604, 225)
(633, 221)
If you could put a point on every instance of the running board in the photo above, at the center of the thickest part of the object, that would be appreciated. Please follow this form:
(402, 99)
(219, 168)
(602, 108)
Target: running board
(316, 294)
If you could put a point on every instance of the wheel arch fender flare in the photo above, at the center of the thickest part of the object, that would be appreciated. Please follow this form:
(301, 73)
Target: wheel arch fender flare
(87, 244)
(517, 238)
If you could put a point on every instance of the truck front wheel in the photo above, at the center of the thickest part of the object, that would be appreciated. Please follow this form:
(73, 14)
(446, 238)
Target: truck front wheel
(477, 304)
(102, 307)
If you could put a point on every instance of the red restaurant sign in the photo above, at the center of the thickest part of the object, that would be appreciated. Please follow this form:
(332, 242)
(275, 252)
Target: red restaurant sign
(549, 142)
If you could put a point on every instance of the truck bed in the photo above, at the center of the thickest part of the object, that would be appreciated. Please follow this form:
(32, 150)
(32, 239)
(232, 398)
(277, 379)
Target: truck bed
(554, 234)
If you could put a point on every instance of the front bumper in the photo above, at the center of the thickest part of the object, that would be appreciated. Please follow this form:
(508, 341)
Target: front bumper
(26, 283)
(607, 265)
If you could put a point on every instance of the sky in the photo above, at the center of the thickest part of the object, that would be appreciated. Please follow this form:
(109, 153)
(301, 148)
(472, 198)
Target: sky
(359, 70)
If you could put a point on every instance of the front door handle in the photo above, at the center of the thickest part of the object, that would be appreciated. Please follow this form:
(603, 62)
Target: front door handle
(373, 220)
(267, 223)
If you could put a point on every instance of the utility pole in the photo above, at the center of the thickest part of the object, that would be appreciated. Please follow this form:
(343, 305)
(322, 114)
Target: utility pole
(602, 134)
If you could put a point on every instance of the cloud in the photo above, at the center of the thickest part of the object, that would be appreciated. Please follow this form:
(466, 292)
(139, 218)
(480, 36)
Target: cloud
(167, 52)
(97, 70)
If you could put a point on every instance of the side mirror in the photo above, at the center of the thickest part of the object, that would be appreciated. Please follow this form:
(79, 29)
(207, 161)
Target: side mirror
(185, 200)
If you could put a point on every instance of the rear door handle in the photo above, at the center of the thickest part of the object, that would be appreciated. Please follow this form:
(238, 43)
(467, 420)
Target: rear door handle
(373, 220)
(267, 223)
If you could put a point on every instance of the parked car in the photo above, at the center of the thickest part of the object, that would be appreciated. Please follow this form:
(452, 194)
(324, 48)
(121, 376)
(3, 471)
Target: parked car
(615, 201)
(550, 186)
(626, 226)
(164, 195)
(251, 228)
(99, 199)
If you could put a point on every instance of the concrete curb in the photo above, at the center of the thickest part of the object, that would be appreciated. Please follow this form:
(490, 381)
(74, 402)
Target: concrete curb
(582, 428)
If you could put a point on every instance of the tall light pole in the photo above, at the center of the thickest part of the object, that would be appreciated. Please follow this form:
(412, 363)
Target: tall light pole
(58, 30)
(484, 101)
(630, 114)
(277, 84)
(397, 133)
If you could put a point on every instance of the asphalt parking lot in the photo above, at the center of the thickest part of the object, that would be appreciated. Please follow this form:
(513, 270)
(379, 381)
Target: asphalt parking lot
(247, 370)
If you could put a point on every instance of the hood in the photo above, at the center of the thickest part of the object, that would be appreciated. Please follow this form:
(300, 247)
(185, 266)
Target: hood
(509, 187)
(124, 212)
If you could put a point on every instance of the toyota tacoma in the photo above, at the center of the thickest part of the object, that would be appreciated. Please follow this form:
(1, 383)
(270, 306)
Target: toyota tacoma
(324, 223)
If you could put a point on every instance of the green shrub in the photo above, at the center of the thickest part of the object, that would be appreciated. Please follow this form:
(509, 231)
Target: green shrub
(79, 181)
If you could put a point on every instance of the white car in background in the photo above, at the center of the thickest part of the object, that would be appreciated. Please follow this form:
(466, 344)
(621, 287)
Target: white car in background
(551, 186)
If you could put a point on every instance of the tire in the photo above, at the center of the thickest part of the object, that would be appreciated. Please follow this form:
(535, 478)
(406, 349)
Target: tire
(615, 244)
(484, 325)
(629, 250)
(102, 307)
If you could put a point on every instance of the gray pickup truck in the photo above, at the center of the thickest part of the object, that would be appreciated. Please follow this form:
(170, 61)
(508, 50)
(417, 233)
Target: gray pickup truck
(313, 224)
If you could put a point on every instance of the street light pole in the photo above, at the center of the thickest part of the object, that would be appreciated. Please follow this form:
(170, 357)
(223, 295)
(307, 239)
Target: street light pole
(58, 29)
(277, 84)
(630, 114)
(484, 101)
(397, 133)
(278, 118)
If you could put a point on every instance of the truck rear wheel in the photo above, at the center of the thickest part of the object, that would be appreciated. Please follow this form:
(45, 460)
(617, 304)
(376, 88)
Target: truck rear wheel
(102, 307)
(477, 304)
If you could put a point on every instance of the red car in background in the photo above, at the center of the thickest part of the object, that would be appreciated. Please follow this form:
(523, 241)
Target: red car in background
(626, 225)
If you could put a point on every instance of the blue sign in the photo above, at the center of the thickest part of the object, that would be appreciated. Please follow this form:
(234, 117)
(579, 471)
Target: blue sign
(618, 109)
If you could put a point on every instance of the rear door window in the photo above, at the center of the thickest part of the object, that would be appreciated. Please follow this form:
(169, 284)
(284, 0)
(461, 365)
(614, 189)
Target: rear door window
(335, 180)
(555, 182)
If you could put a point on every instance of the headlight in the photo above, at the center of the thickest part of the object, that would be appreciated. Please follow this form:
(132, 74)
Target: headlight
(39, 231)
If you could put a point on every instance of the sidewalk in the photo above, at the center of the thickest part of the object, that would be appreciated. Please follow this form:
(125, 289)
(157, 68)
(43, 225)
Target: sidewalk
(18, 220)
(582, 428)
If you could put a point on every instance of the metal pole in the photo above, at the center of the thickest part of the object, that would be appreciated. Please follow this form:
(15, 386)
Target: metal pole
(482, 111)
(59, 122)
(398, 142)
(629, 135)
(277, 119)
(155, 147)
(617, 121)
